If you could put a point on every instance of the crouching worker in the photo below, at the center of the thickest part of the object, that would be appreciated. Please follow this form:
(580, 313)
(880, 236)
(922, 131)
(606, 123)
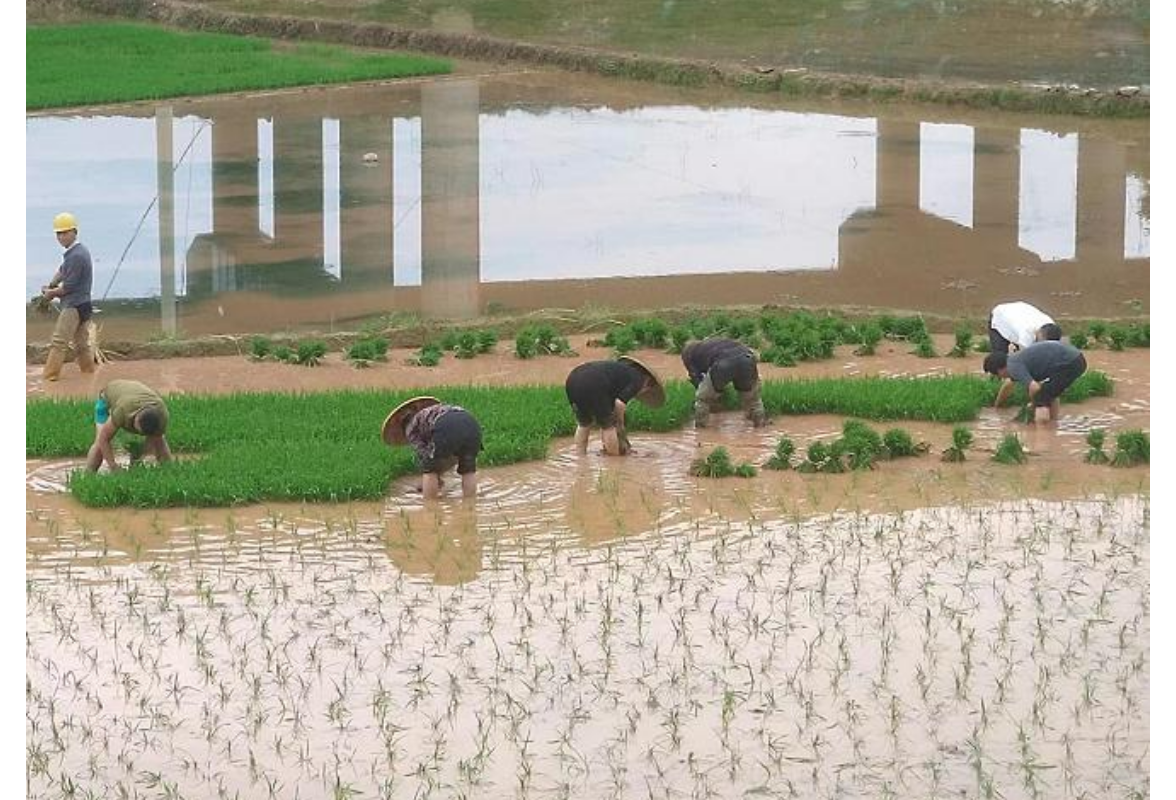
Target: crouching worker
(1046, 369)
(711, 365)
(129, 406)
(599, 391)
(442, 437)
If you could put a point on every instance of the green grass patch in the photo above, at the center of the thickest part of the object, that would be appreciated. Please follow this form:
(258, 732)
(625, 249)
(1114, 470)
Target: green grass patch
(70, 65)
(254, 447)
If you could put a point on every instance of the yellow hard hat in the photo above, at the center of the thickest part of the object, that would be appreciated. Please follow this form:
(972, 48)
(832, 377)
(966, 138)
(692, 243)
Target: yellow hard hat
(64, 222)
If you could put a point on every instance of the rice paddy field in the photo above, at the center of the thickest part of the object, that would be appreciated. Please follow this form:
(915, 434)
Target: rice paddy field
(123, 61)
(893, 590)
(594, 627)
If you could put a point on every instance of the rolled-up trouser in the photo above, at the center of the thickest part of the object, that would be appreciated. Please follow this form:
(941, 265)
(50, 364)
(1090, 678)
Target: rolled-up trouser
(71, 327)
(753, 405)
(706, 399)
(740, 371)
(457, 440)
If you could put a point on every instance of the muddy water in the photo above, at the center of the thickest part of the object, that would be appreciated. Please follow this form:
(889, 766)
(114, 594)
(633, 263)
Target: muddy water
(459, 196)
(587, 629)
(598, 627)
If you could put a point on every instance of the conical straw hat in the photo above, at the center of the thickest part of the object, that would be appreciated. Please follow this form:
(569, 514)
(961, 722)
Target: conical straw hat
(655, 395)
(392, 431)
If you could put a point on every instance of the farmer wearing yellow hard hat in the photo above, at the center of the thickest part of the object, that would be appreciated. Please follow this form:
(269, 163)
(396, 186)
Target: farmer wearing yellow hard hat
(442, 437)
(599, 392)
(71, 284)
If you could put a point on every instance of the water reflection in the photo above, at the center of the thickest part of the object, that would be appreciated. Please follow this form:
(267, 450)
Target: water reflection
(448, 197)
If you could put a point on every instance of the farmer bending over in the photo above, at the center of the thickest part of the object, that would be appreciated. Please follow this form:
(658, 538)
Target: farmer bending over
(442, 437)
(599, 391)
(1018, 325)
(1046, 369)
(711, 365)
(131, 406)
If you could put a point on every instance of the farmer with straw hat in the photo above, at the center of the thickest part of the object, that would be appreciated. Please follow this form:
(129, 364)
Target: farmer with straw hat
(599, 391)
(442, 437)
(71, 283)
(712, 364)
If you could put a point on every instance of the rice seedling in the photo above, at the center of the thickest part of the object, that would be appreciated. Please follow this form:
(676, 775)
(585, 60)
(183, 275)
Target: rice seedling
(1138, 334)
(1131, 448)
(819, 457)
(868, 335)
(283, 353)
(963, 343)
(622, 340)
(1118, 337)
(1096, 439)
(961, 441)
(718, 464)
(924, 347)
(909, 328)
(364, 352)
(983, 345)
(260, 347)
(310, 352)
(1098, 331)
(1010, 450)
(429, 355)
(898, 443)
(487, 340)
(1080, 340)
(781, 459)
(42, 306)
(467, 345)
(536, 340)
(859, 446)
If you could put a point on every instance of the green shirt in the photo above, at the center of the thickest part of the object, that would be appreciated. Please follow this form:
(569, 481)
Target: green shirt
(128, 398)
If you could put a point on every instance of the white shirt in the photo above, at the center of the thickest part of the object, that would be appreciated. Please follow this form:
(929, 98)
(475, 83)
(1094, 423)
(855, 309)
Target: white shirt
(1019, 322)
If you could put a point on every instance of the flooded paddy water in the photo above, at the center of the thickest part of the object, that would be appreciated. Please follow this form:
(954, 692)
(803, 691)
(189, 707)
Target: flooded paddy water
(594, 627)
(618, 640)
(510, 192)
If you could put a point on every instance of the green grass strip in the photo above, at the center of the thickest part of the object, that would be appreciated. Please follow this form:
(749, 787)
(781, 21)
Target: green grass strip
(70, 65)
(246, 448)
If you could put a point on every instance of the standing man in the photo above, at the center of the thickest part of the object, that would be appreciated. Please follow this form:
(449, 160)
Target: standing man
(134, 407)
(1019, 325)
(711, 365)
(599, 392)
(71, 283)
(1046, 369)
